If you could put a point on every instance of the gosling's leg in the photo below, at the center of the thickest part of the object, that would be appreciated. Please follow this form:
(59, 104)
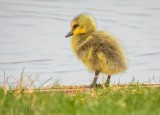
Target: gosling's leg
(108, 80)
(95, 78)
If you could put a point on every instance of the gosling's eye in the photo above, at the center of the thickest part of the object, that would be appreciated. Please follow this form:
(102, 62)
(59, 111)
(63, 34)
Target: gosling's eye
(75, 26)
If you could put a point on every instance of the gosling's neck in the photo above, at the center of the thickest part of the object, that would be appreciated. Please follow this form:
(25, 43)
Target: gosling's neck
(82, 36)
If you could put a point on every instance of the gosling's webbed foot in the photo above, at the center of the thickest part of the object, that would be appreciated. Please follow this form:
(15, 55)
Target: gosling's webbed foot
(93, 85)
(107, 83)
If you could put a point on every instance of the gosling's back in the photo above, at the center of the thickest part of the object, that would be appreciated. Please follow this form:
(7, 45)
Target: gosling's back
(99, 51)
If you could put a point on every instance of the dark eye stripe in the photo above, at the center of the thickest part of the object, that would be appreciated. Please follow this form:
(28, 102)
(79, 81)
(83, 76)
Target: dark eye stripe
(75, 26)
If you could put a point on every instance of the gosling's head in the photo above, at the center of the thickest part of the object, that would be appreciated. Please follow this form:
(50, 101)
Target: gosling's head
(82, 24)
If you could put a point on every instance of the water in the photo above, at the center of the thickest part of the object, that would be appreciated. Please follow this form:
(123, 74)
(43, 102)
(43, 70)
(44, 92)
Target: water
(32, 36)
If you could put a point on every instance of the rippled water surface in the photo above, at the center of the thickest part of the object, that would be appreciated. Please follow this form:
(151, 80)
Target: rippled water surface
(32, 36)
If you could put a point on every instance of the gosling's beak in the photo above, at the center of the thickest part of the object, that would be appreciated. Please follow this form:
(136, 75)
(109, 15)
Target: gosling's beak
(69, 34)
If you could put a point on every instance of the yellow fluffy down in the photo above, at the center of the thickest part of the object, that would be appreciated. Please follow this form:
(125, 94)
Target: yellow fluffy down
(98, 50)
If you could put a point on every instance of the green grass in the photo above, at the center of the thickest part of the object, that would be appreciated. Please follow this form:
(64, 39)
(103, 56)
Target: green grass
(131, 100)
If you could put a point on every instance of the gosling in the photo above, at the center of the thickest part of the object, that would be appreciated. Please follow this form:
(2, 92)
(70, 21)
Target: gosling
(98, 50)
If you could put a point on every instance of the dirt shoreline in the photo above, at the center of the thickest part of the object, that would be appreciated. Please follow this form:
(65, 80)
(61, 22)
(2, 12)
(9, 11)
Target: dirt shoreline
(86, 88)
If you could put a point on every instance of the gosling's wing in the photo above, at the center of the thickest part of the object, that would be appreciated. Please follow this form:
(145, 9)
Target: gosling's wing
(104, 43)
(100, 47)
(109, 50)
(99, 42)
